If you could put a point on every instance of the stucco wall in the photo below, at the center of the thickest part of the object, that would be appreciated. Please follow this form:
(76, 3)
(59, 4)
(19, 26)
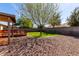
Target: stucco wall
(72, 31)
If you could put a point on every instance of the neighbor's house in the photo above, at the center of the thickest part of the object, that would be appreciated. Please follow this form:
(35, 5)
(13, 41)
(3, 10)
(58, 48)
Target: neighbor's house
(3, 27)
(61, 25)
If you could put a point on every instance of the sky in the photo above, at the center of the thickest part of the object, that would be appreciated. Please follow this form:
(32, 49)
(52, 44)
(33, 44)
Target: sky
(65, 9)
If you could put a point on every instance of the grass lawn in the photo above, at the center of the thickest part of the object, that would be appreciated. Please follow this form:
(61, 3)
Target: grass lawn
(38, 34)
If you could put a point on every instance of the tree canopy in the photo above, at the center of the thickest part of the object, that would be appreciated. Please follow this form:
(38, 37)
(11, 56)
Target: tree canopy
(39, 13)
(55, 20)
(24, 22)
(73, 20)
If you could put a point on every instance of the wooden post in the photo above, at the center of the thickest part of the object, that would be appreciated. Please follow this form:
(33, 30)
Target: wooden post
(8, 32)
(8, 36)
(12, 29)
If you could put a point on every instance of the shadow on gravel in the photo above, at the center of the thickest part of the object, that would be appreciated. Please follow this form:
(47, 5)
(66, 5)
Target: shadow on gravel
(71, 36)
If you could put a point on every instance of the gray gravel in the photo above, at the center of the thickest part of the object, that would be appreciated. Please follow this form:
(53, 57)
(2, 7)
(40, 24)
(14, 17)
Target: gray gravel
(52, 46)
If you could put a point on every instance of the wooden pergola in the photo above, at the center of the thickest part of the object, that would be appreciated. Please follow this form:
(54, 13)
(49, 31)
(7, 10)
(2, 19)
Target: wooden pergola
(9, 19)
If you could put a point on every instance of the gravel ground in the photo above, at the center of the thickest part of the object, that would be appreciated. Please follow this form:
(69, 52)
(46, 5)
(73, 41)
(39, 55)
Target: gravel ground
(52, 46)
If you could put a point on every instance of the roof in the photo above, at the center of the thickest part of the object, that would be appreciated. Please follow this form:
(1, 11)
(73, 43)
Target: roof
(6, 16)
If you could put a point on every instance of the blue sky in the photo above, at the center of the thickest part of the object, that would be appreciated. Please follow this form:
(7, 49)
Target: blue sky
(65, 9)
(7, 8)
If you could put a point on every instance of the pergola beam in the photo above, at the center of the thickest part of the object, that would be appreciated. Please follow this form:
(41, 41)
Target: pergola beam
(5, 19)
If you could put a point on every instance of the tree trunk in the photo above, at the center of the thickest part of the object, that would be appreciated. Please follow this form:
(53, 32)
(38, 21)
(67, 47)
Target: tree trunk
(53, 26)
(40, 33)
(41, 28)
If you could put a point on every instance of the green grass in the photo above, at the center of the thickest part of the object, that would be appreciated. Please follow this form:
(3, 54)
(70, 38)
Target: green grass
(37, 34)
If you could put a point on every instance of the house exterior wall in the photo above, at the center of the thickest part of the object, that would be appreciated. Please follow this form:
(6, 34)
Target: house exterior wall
(1, 27)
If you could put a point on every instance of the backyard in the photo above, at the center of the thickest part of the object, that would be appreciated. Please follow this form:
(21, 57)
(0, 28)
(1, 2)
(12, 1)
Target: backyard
(39, 30)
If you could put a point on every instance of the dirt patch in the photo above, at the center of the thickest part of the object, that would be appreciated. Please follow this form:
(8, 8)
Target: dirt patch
(3, 41)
